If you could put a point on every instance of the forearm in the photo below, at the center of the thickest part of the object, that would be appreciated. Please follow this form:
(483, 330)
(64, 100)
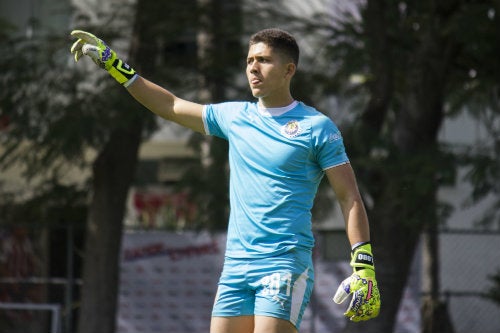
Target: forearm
(155, 98)
(343, 182)
(356, 221)
(166, 105)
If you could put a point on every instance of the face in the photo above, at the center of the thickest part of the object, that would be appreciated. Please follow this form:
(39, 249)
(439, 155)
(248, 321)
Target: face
(267, 73)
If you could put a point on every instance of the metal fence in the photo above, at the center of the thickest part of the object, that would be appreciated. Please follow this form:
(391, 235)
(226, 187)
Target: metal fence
(39, 278)
(468, 259)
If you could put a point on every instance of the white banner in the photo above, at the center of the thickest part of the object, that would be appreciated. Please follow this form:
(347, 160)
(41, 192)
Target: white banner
(168, 283)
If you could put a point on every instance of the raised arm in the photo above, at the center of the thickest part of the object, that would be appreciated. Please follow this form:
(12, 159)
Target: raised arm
(155, 98)
(166, 105)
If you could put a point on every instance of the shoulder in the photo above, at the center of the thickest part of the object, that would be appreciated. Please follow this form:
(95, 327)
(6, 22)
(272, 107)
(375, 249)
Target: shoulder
(226, 110)
(233, 106)
(323, 131)
(218, 118)
(317, 119)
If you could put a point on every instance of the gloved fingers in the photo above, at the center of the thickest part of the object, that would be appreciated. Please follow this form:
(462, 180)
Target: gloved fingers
(91, 51)
(343, 291)
(354, 305)
(78, 55)
(81, 48)
(94, 53)
(361, 308)
(364, 313)
(87, 37)
(76, 49)
(77, 46)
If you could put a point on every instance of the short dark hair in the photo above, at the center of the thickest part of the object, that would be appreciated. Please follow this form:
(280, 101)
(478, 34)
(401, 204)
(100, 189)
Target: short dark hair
(279, 40)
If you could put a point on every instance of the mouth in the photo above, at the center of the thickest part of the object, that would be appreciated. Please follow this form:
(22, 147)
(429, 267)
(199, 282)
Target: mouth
(255, 81)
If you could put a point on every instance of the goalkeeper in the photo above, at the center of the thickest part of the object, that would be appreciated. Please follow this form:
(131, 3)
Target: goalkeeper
(279, 150)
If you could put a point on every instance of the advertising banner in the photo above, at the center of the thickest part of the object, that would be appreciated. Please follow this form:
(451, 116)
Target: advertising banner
(168, 283)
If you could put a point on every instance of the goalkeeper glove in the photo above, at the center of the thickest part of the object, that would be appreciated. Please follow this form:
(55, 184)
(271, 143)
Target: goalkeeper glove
(365, 302)
(103, 56)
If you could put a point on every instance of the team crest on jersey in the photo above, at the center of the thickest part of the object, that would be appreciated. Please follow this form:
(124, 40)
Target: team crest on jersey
(334, 137)
(291, 129)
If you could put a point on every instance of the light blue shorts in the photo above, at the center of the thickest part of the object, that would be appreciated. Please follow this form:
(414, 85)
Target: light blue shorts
(277, 287)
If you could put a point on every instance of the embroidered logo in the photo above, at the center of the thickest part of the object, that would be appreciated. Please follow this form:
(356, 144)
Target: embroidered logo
(334, 137)
(291, 129)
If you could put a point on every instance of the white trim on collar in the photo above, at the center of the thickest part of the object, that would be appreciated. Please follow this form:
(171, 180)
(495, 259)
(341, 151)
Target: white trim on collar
(273, 112)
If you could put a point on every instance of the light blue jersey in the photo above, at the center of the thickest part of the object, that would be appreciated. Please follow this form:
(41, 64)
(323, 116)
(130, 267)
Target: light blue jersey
(277, 159)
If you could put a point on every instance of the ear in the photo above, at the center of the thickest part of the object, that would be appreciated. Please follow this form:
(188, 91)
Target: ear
(290, 70)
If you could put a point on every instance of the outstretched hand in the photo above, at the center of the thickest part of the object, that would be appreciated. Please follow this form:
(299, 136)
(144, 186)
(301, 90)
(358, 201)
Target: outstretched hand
(102, 55)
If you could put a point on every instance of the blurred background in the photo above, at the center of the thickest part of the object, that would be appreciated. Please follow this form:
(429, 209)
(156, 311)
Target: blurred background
(112, 220)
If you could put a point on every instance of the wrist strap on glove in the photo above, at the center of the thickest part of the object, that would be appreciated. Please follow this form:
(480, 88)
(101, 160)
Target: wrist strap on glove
(122, 72)
(362, 257)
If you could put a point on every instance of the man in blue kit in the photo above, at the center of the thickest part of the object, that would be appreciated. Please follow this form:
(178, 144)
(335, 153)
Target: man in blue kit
(279, 150)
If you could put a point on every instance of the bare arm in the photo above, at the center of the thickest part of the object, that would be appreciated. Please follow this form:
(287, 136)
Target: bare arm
(343, 182)
(166, 105)
(365, 303)
(157, 99)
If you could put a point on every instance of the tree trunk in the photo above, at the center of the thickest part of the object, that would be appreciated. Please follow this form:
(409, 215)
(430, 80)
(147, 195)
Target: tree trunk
(404, 205)
(220, 27)
(113, 172)
(435, 316)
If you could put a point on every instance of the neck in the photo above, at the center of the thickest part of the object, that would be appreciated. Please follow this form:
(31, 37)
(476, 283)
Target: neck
(270, 102)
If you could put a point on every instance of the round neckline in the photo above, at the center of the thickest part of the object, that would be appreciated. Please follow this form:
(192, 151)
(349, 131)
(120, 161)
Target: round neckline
(273, 112)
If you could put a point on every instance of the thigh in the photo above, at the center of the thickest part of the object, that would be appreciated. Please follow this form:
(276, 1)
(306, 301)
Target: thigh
(265, 324)
(251, 324)
(239, 324)
(283, 287)
(234, 296)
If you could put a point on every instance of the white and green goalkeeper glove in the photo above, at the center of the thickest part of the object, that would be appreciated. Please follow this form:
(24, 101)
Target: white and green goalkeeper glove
(365, 302)
(103, 56)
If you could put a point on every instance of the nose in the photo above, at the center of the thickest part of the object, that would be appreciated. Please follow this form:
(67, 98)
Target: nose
(252, 67)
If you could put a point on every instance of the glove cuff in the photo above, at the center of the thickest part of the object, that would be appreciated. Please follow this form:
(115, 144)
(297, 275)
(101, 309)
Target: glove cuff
(362, 257)
(122, 72)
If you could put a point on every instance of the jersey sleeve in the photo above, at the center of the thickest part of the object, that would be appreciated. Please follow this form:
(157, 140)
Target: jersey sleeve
(329, 144)
(217, 118)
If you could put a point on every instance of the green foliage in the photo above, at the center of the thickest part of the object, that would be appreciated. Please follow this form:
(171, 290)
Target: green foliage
(58, 111)
(402, 67)
(52, 116)
(367, 55)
